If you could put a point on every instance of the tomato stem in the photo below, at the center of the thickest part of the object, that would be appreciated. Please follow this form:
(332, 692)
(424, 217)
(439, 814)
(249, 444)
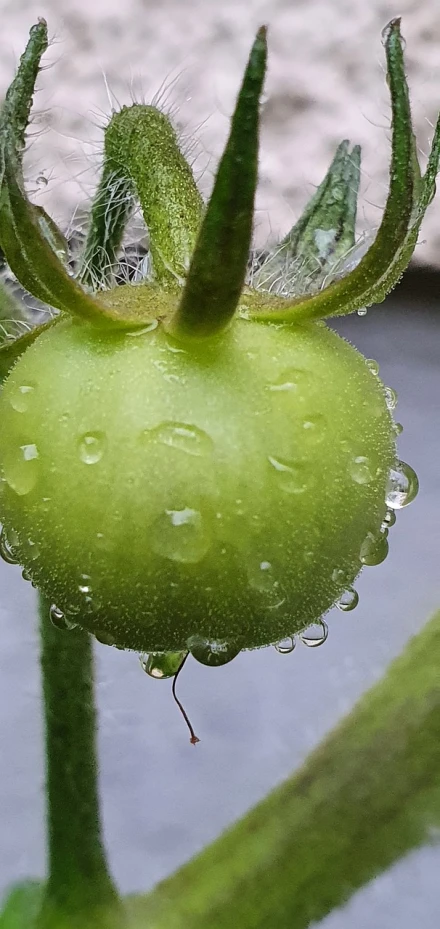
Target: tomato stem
(79, 881)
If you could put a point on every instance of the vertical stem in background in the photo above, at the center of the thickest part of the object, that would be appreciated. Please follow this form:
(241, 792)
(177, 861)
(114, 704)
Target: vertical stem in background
(79, 880)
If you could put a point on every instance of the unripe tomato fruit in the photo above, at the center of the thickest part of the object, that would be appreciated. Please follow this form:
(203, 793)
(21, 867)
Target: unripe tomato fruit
(157, 491)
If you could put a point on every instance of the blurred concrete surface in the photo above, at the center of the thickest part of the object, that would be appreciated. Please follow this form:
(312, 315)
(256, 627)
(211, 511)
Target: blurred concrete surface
(325, 82)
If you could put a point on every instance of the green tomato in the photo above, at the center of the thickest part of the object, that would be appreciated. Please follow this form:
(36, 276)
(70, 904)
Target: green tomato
(163, 493)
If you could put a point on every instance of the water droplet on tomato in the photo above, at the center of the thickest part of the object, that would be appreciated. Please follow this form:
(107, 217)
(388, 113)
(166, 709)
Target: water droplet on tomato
(291, 475)
(59, 619)
(91, 447)
(286, 646)
(5, 549)
(212, 654)
(314, 429)
(348, 600)
(390, 398)
(373, 366)
(26, 575)
(374, 548)
(105, 638)
(182, 436)
(288, 380)
(360, 470)
(388, 520)
(362, 311)
(180, 535)
(162, 665)
(403, 486)
(85, 587)
(315, 634)
(21, 468)
(20, 398)
(398, 428)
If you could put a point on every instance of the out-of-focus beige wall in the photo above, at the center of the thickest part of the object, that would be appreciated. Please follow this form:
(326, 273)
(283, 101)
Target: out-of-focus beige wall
(325, 83)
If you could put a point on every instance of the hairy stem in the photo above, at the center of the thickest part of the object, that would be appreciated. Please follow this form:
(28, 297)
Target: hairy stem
(142, 160)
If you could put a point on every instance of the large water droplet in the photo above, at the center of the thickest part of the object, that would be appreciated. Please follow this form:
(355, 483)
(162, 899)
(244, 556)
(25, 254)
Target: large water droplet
(213, 654)
(5, 549)
(390, 398)
(315, 634)
(348, 600)
(360, 470)
(291, 475)
(21, 397)
(91, 447)
(182, 436)
(180, 535)
(374, 548)
(373, 366)
(21, 468)
(286, 646)
(403, 486)
(162, 665)
(59, 619)
(362, 311)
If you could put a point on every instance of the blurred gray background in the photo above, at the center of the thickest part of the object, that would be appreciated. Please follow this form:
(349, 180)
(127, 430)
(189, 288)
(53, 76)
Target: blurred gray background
(260, 716)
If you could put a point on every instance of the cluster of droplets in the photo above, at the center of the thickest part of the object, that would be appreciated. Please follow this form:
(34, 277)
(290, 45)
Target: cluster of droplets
(313, 636)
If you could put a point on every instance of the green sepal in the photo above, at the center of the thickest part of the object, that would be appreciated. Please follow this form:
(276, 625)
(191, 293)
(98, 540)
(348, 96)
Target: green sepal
(26, 242)
(15, 111)
(52, 233)
(11, 349)
(12, 314)
(33, 260)
(324, 233)
(383, 264)
(219, 264)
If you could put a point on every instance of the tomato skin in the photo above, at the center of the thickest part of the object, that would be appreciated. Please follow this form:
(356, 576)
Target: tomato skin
(157, 490)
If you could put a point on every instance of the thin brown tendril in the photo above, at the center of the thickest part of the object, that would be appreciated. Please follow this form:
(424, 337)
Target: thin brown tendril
(193, 738)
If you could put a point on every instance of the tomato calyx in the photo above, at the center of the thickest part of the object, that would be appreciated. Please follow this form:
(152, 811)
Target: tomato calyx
(199, 258)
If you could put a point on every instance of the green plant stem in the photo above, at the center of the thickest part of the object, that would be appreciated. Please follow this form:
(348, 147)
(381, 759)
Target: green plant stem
(365, 797)
(79, 881)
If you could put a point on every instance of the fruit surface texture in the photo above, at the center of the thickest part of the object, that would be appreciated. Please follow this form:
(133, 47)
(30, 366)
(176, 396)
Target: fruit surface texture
(158, 490)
